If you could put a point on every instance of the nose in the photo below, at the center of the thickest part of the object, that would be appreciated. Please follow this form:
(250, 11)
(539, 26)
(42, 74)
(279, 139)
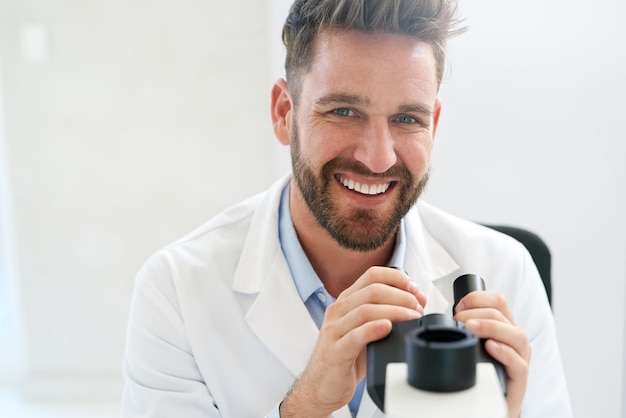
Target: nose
(376, 147)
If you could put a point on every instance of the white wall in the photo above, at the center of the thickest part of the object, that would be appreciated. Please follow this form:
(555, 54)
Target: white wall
(151, 116)
(10, 335)
(532, 134)
(148, 118)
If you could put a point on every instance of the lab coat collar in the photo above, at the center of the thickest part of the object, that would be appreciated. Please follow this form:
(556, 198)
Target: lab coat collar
(426, 261)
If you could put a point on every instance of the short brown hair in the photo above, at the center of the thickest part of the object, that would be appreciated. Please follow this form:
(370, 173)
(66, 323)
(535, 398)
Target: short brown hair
(431, 21)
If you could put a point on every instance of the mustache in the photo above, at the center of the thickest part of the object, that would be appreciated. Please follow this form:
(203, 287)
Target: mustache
(399, 170)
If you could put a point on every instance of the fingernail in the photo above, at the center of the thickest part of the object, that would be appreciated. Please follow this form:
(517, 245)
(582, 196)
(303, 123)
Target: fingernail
(413, 287)
(459, 307)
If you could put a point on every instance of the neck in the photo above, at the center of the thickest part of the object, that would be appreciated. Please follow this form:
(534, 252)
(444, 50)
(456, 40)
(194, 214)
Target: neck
(337, 267)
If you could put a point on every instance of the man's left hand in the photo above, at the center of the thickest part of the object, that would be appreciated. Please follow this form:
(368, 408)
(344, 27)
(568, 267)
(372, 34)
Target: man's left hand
(487, 314)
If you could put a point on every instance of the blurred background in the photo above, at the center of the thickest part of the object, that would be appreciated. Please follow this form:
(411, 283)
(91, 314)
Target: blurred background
(124, 124)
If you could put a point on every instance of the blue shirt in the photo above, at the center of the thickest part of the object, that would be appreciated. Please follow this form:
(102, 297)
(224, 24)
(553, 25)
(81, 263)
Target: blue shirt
(310, 287)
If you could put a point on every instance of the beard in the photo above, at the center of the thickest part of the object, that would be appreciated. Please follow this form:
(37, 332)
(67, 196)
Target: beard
(361, 229)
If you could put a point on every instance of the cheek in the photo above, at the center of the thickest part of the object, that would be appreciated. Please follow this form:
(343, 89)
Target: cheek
(320, 144)
(417, 157)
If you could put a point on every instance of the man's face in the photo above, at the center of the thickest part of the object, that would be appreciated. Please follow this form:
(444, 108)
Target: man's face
(362, 134)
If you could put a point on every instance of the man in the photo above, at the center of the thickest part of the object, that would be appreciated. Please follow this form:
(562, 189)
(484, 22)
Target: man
(268, 308)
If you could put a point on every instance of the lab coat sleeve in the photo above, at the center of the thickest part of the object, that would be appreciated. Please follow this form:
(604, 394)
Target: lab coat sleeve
(162, 378)
(546, 394)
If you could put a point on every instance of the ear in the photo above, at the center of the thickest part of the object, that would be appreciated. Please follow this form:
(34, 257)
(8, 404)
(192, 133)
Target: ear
(436, 114)
(281, 111)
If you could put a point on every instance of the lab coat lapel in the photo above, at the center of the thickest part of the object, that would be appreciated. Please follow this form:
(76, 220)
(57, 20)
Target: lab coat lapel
(427, 262)
(281, 321)
(277, 315)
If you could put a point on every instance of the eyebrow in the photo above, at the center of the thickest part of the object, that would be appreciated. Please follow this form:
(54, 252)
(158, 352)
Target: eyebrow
(340, 98)
(349, 99)
(416, 108)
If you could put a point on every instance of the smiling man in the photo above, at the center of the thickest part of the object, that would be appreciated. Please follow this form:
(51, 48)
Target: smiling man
(268, 308)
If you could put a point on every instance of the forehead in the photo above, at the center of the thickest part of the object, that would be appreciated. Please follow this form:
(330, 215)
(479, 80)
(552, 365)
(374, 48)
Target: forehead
(387, 44)
(355, 62)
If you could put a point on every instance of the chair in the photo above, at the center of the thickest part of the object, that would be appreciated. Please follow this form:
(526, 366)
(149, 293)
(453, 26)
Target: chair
(537, 248)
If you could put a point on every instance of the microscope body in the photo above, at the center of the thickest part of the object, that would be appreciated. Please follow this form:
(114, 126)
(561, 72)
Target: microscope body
(483, 400)
(433, 367)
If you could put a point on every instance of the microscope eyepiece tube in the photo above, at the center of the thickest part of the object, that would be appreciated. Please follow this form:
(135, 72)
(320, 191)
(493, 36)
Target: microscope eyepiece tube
(441, 359)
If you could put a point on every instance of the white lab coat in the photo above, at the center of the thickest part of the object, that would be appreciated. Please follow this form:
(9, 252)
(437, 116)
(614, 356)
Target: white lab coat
(217, 327)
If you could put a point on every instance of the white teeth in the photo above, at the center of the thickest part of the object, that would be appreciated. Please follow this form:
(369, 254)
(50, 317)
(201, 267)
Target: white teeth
(374, 189)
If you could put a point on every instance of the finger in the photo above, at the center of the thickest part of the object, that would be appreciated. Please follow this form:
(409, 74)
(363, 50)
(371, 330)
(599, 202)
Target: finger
(342, 353)
(378, 283)
(357, 338)
(414, 289)
(481, 313)
(384, 275)
(421, 296)
(376, 293)
(366, 313)
(486, 299)
(500, 332)
(351, 347)
(516, 370)
(516, 365)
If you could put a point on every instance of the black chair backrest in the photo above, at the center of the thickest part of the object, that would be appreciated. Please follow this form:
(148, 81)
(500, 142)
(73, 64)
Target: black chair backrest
(538, 250)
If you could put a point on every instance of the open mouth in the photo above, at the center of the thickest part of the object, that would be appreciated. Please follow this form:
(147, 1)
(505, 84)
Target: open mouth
(366, 189)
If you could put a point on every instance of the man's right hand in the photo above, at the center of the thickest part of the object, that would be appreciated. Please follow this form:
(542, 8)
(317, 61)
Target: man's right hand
(363, 313)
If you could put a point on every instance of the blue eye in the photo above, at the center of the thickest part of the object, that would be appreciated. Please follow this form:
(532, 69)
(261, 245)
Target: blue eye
(343, 111)
(406, 119)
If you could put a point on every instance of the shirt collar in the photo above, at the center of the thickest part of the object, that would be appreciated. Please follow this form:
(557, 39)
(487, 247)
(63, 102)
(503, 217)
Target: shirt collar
(306, 280)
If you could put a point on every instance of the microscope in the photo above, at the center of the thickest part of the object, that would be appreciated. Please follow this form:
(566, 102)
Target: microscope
(433, 367)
